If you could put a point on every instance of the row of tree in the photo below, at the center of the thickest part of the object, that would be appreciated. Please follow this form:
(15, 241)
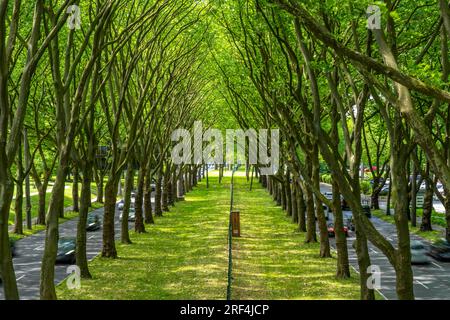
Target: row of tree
(343, 94)
(98, 103)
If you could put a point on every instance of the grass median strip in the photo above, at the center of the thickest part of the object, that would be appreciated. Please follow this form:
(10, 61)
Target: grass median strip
(431, 236)
(271, 260)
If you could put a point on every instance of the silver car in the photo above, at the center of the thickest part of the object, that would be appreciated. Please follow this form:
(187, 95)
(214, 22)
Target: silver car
(419, 253)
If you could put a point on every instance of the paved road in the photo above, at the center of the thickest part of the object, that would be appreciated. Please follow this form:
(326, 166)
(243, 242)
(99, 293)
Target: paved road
(430, 281)
(27, 264)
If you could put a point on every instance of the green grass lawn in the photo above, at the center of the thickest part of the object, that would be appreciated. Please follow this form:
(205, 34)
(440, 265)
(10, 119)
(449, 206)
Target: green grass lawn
(271, 260)
(184, 255)
(428, 235)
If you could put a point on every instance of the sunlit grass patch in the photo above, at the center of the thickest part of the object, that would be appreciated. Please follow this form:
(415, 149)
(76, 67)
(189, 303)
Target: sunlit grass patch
(182, 256)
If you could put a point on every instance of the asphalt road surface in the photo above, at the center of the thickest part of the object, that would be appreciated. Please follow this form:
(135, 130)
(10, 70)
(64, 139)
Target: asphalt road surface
(27, 263)
(431, 281)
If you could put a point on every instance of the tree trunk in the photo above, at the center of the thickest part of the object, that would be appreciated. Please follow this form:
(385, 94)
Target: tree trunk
(301, 207)
(18, 206)
(375, 196)
(124, 229)
(310, 217)
(362, 253)
(81, 257)
(283, 195)
(99, 184)
(399, 181)
(148, 199)
(447, 216)
(26, 151)
(323, 229)
(109, 245)
(427, 207)
(165, 192)
(288, 195)
(75, 197)
(47, 287)
(343, 266)
(294, 202)
(139, 225)
(6, 265)
(41, 206)
(173, 188)
(158, 208)
(220, 173)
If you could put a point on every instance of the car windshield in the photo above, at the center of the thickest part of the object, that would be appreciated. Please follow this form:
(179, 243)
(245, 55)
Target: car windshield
(66, 244)
(417, 245)
(92, 218)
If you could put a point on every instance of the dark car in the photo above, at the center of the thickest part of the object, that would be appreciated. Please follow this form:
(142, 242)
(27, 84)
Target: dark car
(66, 251)
(440, 250)
(348, 220)
(93, 222)
(344, 205)
(367, 211)
(331, 232)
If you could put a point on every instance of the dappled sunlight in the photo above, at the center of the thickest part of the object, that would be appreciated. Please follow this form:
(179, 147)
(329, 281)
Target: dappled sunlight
(271, 260)
(183, 256)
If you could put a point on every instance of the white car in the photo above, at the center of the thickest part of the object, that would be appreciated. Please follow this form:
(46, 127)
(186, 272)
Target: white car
(131, 215)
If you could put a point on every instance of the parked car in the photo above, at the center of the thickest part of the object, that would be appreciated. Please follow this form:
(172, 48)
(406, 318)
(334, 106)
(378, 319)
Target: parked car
(418, 253)
(66, 251)
(331, 230)
(348, 220)
(344, 204)
(367, 211)
(326, 211)
(440, 190)
(423, 186)
(440, 250)
(131, 215)
(93, 222)
(385, 190)
(120, 205)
